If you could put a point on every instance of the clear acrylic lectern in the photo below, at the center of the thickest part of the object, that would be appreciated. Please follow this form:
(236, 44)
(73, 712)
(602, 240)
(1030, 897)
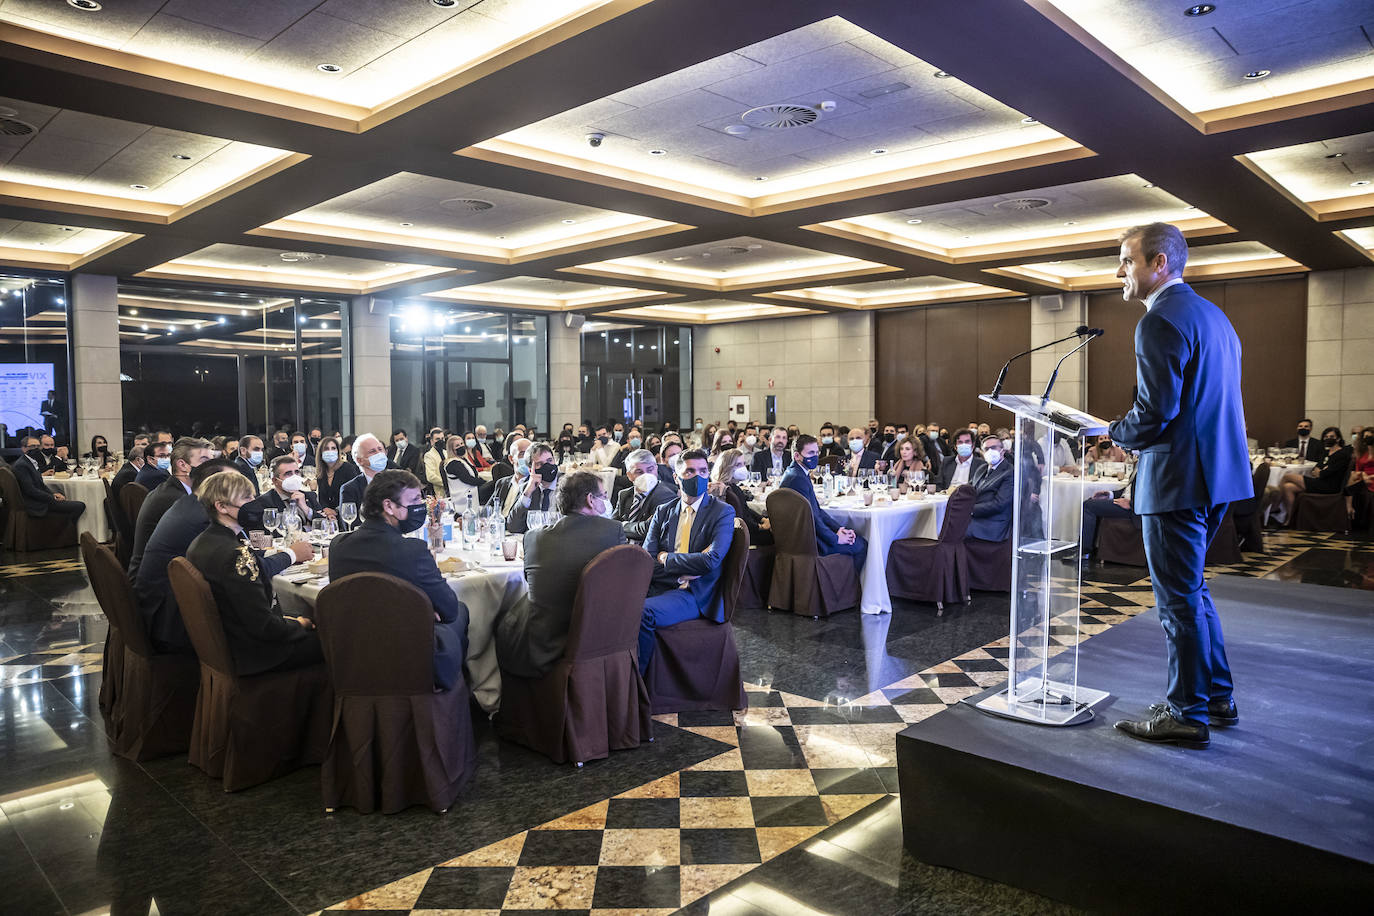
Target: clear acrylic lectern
(1046, 569)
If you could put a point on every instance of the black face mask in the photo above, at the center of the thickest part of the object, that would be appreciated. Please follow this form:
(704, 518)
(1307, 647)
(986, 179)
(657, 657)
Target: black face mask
(414, 520)
(1369, 440)
(547, 472)
(1302, 433)
(314, 440)
(888, 437)
(1330, 443)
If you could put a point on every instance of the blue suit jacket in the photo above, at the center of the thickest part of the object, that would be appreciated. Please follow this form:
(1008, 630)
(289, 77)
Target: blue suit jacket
(37, 497)
(1188, 421)
(151, 476)
(712, 531)
(799, 479)
(995, 495)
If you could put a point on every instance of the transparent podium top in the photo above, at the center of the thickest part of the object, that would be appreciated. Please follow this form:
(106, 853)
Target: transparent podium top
(1061, 417)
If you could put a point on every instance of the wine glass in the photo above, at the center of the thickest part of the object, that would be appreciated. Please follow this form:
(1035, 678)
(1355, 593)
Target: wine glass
(271, 520)
(348, 512)
(293, 524)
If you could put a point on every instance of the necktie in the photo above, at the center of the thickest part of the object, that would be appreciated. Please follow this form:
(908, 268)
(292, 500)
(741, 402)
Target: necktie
(684, 529)
(636, 503)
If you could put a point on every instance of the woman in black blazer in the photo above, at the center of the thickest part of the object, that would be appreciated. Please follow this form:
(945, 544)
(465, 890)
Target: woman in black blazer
(1327, 477)
(330, 475)
(731, 467)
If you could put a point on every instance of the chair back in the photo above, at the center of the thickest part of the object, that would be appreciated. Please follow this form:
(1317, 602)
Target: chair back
(131, 497)
(1261, 478)
(958, 513)
(377, 632)
(14, 502)
(834, 462)
(609, 603)
(794, 531)
(116, 596)
(732, 571)
(201, 616)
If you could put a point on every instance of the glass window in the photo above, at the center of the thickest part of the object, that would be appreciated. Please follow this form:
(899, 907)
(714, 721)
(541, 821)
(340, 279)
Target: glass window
(35, 387)
(636, 372)
(321, 328)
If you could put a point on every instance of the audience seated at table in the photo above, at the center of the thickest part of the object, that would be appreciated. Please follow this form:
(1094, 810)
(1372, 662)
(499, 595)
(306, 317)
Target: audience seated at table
(39, 501)
(157, 466)
(249, 459)
(392, 507)
(832, 445)
(1105, 450)
(530, 489)
(959, 468)
(403, 453)
(635, 504)
(604, 449)
(831, 536)
(1104, 504)
(862, 456)
(52, 458)
(259, 638)
(1359, 492)
(369, 456)
(729, 471)
(331, 473)
(133, 463)
(773, 460)
(288, 491)
(936, 448)
(462, 479)
(187, 454)
(100, 453)
(531, 635)
(907, 455)
(994, 493)
(431, 465)
(1329, 476)
(1310, 448)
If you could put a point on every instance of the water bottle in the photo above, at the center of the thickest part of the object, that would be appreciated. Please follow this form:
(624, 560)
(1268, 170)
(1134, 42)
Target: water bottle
(446, 521)
(469, 525)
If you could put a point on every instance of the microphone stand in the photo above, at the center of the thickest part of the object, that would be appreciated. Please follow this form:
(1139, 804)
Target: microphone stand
(1054, 376)
(1002, 376)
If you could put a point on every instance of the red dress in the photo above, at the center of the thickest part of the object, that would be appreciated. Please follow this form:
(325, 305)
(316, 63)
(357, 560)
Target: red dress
(1365, 465)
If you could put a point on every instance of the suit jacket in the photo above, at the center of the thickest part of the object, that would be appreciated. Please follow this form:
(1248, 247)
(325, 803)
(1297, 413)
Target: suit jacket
(530, 636)
(126, 474)
(1188, 420)
(375, 546)
(151, 477)
(867, 459)
(517, 519)
(246, 469)
(353, 490)
(410, 458)
(37, 497)
(799, 479)
(52, 463)
(947, 469)
(707, 545)
(762, 462)
(634, 519)
(270, 452)
(329, 490)
(259, 638)
(937, 450)
(1312, 451)
(250, 514)
(168, 493)
(994, 498)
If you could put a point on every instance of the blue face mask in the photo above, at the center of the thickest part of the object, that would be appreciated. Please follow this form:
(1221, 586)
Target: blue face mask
(377, 462)
(522, 468)
(165, 463)
(827, 440)
(255, 457)
(811, 462)
(693, 486)
(964, 449)
(634, 441)
(330, 457)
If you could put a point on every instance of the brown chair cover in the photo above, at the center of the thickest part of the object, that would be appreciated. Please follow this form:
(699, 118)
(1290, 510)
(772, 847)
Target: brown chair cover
(396, 742)
(1320, 512)
(25, 532)
(1250, 518)
(804, 582)
(1119, 540)
(989, 564)
(151, 696)
(594, 700)
(247, 730)
(922, 569)
(758, 574)
(131, 497)
(696, 662)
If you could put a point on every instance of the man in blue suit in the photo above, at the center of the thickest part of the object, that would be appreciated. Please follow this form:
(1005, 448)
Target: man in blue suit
(1188, 423)
(831, 536)
(688, 539)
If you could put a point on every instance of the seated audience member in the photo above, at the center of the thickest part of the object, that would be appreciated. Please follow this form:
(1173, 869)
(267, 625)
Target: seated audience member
(994, 494)
(287, 492)
(402, 452)
(54, 457)
(831, 536)
(331, 473)
(729, 471)
(156, 468)
(635, 504)
(513, 448)
(133, 463)
(393, 507)
(688, 539)
(1103, 505)
(187, 455)
(140, 440)
(39, 501)
(534, 492)
(632, 442)
(861, 454)
(832, 446)
(1329, 476)
(478, 453)
(937, 449)
(530, 636)
(748, 445)
(725, 439)
(603, 451)
(984, 430)
(885, 441)
(959, 467)
(583, 440)
(618, 433)
(281, 445)
(1359, 492)
(249, 459)
(565, 446)
(100, 453)
(300, 447)
(369, 457)
(432, 462)
(461, 478)
(1065, 459)
(908, 455)
(259, 638)
(1105, 450)
(1309, 447)
(172, 537)
(667, 461)
(772, 461)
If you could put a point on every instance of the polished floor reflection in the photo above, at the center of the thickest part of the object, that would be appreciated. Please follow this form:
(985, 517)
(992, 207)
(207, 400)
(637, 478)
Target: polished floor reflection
(786, 808)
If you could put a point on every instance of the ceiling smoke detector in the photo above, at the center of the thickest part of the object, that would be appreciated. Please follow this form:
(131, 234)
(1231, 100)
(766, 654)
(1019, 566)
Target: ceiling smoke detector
(1022, 203)
(467, 204)
(292, 257)
(11, 126)
(780, 117)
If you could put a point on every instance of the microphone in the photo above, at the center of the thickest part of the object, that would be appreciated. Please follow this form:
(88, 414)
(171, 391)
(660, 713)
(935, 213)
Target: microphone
(1002, 376)
(1090, 333)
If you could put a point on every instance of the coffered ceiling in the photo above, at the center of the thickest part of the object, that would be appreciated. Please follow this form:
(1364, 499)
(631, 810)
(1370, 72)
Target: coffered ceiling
(750, 160)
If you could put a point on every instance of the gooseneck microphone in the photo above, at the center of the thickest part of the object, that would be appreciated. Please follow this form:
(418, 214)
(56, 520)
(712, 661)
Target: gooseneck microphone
(1091, 334)
(1002, 376)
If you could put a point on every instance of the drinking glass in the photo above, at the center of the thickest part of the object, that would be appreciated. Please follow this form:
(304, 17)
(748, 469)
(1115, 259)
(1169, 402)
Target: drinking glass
(348, 512)
(755, 478)
(509, 547)
(293, 524)
(271, 520)
(317, 529)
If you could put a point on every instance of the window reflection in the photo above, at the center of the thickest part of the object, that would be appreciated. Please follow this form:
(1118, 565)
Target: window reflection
(636, 372)
(35, 389)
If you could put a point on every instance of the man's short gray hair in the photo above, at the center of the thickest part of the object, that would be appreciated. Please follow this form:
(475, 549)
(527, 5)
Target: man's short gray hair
(358, 444)
(1161, 238)
(641, 458)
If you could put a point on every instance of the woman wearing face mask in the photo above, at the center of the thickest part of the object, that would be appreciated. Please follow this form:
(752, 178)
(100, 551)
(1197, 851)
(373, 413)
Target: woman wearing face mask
(100, 453)
(331, 472)
(1327, 477)
(729, 471)
(722, 442)
(433, 463)
(462, 478)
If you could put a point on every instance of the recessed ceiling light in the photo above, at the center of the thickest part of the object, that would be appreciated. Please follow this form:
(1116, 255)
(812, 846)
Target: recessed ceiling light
(568, 222)
(1257, 74)
(658, 152)
(1071, 222)
(329, 68)
(942, 75)
(182, 156)
(1191, 207)
(912, 222)
(145, 327)
(673, 341)
(1335, 155)
(737, 130)
(880, 91)
(133, 312)
(86, 6)
(139, 187)
(1359, 184)
(760, 177)
(1200, 9)
(879, 151)
(1147, 186)
(444, 4)
(405, 225)
(1029, 121)
(243, 311)
(223, 320)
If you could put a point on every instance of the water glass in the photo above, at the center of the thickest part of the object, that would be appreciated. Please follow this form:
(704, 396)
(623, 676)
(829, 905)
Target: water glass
(271, 520)
(317, 529)
(509, 547)
(348, 512)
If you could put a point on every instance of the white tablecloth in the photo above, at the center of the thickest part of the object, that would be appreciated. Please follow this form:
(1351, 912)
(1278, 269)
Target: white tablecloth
(1276, 471)
(486, 595)
(1067, 489)
(91, 491)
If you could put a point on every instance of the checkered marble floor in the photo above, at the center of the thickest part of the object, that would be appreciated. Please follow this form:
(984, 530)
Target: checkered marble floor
(51, 664)
(40, 568)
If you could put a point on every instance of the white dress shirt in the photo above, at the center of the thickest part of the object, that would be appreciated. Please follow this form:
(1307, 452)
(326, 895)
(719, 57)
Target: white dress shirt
(962, 469)
(1154, 296)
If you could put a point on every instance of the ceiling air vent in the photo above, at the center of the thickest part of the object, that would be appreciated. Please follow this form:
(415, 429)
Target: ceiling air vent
(292, 257)
(730, 250)
(13, 127)
(780, 117)
(466, 204)
(1022, 203)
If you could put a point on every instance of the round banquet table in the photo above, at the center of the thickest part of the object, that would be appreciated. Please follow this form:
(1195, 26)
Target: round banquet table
(486, 592)
(880, 525)
(1276, 471)
(91, 491)
(1068, 488)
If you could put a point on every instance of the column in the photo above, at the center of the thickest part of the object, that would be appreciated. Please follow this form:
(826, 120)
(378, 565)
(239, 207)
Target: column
(367, 387)
(565, 374)
(1053, 317)
(95, 354)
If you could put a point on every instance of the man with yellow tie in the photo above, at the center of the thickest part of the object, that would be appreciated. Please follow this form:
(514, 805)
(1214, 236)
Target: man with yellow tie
(688, 538)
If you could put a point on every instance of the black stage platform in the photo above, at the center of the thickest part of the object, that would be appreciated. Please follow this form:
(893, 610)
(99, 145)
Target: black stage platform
(1278, 814)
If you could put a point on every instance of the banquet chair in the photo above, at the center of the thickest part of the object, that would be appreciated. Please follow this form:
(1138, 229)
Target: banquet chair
(1120, 540)
(247, 730)
(758, 563)
(131, 497)
(1320, 512)
(804, 582)
(935, 569)
(24, 532)
(696, 662)
(396, 741)
(834, 462)
(1250, 513)
(593, 701)
(148, 697)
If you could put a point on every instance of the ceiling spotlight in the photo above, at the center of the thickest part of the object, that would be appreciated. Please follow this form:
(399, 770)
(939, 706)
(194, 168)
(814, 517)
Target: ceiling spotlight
(304, 319)
(145, 327)
(70, 229)
(444, 4)
(942, 75)
(1335, 155)
(912, 222)
(1200, 9)
(86, 6)
(329, 68)
(405, 225)
(1257, 74)
(133, 312)
(568, 222)
(1147, 186)
(658, 152)
(760, 177)
(1071, 222)
(223, 320)
(243, 311)
(878, 152)
(182, 156)
(675, 341)
(467, 329)
(737, 130)
(1359, 184)
(1029, 121)
(139, 187)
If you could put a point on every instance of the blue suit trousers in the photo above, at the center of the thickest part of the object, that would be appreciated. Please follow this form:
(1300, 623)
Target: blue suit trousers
(1175, 547)
(663, 610)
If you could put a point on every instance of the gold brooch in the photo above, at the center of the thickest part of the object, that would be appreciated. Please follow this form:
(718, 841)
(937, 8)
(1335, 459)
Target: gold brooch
(246, 564)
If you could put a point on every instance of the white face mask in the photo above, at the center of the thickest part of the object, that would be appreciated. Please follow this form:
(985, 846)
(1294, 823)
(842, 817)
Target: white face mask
(1007, 443)
(740, 473)
(751, 441)
(992, 455)
(293, 484)
(607, 510)
(856, 445)
(298, 448)
(646, 481)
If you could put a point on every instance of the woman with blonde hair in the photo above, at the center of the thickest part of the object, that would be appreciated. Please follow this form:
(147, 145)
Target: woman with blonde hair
(461, 478)
(730, 469)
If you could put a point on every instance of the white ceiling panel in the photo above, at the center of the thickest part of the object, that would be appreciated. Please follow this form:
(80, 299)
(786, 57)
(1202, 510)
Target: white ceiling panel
(249, 258)
(1198, 256)
(260, 19)
(116, 23)
(54, 238)
(1323, 170)
(732, 259)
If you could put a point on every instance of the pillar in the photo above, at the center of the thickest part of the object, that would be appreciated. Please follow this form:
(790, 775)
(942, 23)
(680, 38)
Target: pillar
(95, 356)
(367, 387)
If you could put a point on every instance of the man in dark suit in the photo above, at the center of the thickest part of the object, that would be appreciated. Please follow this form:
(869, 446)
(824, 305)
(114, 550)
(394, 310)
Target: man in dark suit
(635, 505)
(532, 493)
(51, 457)
(249, 459)
(1310, 448)
(288, 490)
(280, 446)
(370, 456)
(775, 458)
(994, 486)
(530, 636)
(39, 501)
(688, 539)
(187, 455)
(960, 467)
(157, 466)
(1188, 423)
(49, 411)
(862, 455)
(403, 453)
(831, 536)
(937, 450)
(393, 507)
(133, 463)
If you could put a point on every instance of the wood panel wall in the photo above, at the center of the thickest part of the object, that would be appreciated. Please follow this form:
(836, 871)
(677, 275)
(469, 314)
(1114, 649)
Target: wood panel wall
(933, 362)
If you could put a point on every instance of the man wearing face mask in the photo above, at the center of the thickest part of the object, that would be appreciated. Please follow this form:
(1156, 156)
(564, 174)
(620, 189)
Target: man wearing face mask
(994, 487)
(300, 448)
(402, 453)
(937, 449)
(370, 456)
(39, 501)
(635, 441)
(959, 468)
(187, 455)
(530, 637)
(861, 455)
(53, 459)
(635, 505)
(688, 539)
(583, 441)
(534, 491)
(1309, 447)
(249, 459)
(603, 452)
(618, 433)
(133, 463)
(288, 492)
(157, 468)
(281, 445)
(775, 459)
(831, 536)
(393, 507)
(832, 446)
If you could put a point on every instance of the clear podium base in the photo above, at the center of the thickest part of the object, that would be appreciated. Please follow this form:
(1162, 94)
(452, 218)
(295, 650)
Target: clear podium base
(1045, 703)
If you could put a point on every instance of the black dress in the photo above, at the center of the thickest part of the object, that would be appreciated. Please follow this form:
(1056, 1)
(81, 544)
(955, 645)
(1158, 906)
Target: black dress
(329, 489)
(1332, 475)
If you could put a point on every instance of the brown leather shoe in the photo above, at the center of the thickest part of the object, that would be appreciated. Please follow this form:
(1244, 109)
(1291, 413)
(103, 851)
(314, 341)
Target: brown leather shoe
(1164, 728)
